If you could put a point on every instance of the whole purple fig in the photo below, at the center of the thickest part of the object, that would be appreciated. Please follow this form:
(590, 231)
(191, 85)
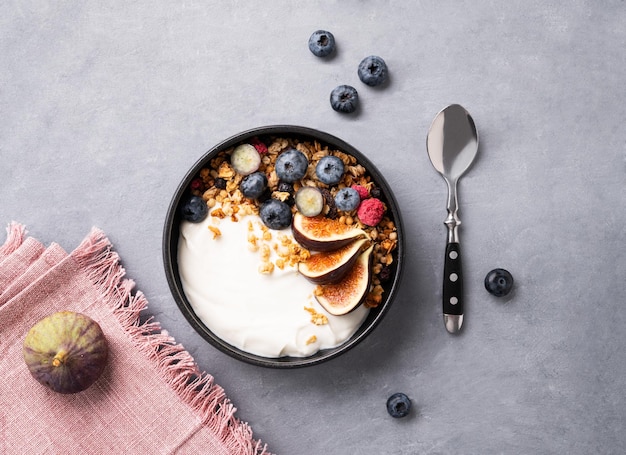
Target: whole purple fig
(66, 351)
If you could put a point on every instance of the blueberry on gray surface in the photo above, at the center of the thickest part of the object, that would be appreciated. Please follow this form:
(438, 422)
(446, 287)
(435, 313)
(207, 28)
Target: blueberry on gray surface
(275, 214)
(499, 282)
(347, 199)
(329, 170)
(372, 70)
(291, 165)
(344, 98)
(194, 209)
(398, 405)
(322, 43)
(253, 185)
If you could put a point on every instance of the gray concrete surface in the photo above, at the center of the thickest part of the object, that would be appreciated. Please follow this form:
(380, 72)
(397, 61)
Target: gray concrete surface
(105, 105)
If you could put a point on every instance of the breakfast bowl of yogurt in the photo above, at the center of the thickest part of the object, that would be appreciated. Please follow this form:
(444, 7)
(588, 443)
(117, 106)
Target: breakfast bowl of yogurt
(283, 246)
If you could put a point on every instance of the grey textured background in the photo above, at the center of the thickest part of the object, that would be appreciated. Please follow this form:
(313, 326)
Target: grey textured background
(105, 105)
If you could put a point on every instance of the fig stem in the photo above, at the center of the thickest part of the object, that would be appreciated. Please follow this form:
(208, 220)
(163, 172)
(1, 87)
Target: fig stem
(59, 358)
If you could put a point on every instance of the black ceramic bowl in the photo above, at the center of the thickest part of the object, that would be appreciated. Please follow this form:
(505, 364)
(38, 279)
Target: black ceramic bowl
(171, 234)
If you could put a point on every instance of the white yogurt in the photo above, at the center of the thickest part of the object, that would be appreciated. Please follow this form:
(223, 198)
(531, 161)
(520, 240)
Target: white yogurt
(262, 314)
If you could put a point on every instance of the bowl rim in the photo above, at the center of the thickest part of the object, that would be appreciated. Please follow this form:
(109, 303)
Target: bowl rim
(170, 246)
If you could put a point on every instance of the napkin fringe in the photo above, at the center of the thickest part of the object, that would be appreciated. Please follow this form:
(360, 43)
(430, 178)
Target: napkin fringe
(15, 237)
(178, 368)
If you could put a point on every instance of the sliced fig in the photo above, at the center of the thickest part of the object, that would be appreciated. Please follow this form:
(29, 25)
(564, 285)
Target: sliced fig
(345, 296)
(331, 267)
(66, 351)
(323, 234)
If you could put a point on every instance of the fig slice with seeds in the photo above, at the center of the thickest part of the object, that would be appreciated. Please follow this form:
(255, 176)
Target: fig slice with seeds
(345, 296)
(323, 234)
(331, 267)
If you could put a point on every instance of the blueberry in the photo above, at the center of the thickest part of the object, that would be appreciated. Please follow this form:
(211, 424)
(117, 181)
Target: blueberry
(499, 282)
(194, 209)
(398, 405)
(372, 70)
(275, 214)
(322, 43)
(347, 199)
(291, 165)
(344, 98)
(329, 170)
(252, 186)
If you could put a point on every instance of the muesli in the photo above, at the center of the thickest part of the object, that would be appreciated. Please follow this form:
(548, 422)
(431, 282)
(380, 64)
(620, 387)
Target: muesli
(309, 221)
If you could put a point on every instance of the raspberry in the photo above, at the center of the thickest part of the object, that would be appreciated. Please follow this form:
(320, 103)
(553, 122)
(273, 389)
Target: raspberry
(363, 193)
(371, 211)
(258, 145)
(197, 185)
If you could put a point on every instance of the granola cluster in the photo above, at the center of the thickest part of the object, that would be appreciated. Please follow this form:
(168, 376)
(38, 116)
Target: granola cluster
(287, 251)
(218, 184)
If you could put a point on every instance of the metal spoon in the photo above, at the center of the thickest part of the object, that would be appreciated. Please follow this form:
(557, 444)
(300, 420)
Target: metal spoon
(452, 143)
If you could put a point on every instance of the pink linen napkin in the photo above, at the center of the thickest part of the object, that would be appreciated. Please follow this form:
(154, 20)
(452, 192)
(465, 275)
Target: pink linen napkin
(151, 398)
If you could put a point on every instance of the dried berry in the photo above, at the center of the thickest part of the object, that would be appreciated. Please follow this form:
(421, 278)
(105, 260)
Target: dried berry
(220, 183)
(333, 213)
(285, 187)
(375, 192)
(385, 274)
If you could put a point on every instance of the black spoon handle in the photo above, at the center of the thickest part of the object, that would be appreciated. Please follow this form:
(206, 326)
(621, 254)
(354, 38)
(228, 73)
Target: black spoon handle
(452, 281)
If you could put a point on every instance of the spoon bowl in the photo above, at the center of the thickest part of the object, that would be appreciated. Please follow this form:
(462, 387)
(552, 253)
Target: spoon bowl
(452, 142)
